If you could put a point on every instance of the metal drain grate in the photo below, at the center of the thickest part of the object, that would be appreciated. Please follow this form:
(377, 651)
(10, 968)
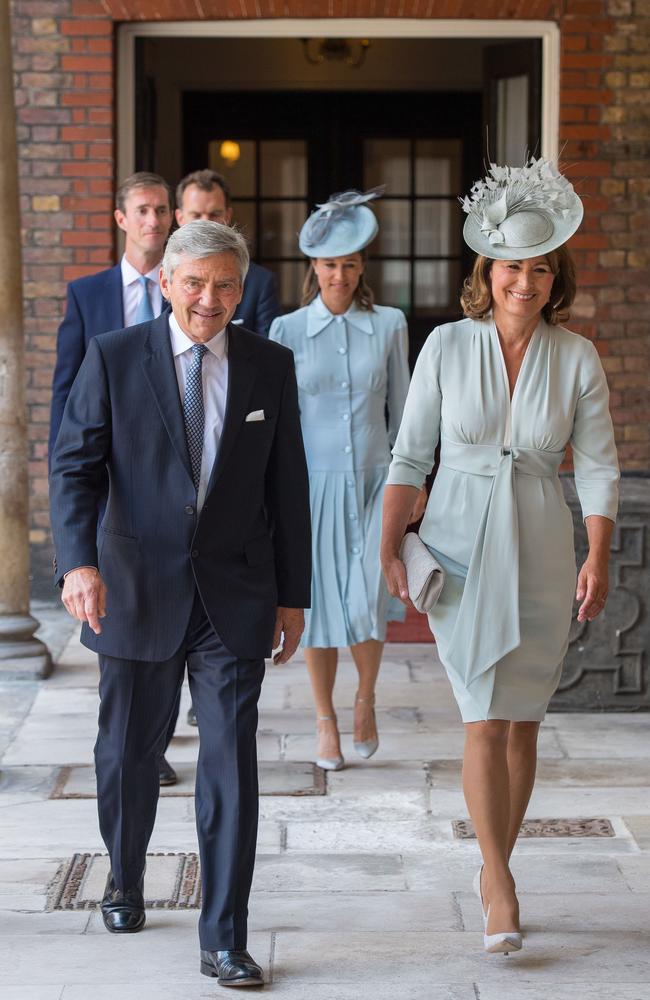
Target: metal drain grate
(172, 882)
(276, 778)
(598, 827)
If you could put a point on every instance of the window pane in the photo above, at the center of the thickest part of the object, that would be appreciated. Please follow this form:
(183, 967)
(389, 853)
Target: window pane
(394, 228)
(244, 217)
(240, 171)
(437, 166)
(390, 281)
(281, 222)
(290, 278)
(437, 228)
(437, 285)
(284, 168)
(387, 161)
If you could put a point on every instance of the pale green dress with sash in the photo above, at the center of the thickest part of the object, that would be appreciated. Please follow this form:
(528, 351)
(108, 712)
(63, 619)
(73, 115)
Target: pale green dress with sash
(496, 518)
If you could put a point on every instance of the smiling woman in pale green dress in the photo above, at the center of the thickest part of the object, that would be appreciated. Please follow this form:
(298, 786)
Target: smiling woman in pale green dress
(505, 391)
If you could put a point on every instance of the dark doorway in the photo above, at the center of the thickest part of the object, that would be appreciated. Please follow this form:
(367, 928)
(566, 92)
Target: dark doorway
(292, 149)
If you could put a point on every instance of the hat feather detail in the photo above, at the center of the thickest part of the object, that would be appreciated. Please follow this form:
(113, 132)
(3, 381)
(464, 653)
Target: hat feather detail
(538, 186)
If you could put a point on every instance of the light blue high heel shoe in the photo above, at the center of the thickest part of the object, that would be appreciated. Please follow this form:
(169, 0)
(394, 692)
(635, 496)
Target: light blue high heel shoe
(366, 748)
(329, 763)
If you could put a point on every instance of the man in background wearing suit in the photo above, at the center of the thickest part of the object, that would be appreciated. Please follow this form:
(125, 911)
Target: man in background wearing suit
(202, 561)
(119, 296)
(205, 194)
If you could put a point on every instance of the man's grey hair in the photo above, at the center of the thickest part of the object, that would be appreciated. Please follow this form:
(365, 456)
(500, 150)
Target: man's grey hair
(204, 239)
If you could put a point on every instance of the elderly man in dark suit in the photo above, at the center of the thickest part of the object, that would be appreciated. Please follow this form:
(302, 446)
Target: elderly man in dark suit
(202, 561)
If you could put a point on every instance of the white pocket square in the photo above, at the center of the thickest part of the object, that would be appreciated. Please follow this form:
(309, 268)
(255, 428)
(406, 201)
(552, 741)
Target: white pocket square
(255, 415)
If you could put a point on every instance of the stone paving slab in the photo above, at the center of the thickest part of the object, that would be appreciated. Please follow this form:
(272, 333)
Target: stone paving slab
(639, 827)
(561, 773)
(165, 952)
(615, 957)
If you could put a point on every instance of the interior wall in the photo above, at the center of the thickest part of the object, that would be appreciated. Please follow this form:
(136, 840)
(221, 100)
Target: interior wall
(181, 64)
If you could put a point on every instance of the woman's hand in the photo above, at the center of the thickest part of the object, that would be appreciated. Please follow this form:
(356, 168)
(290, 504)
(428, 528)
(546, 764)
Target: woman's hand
(592, 588)
(395, 576)
(419, 506)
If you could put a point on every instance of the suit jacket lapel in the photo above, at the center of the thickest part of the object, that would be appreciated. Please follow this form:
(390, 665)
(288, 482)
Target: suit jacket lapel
(241, 375)
(159, 371)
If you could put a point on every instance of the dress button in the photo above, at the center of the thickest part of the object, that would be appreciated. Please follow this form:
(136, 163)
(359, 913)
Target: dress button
(349, 482)
(347, 449)
(195, 553)
(188, 509)
(343, 350)
(345, 416)
(355, 550)
(344, 385)
(352, 517)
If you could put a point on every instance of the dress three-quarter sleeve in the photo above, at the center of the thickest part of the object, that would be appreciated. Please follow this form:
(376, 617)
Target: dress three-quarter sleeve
(415, 447)
(594, 452)
(398, 378)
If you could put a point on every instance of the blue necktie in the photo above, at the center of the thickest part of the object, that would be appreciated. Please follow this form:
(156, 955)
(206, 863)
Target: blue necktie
(145, 312)
(193, 411)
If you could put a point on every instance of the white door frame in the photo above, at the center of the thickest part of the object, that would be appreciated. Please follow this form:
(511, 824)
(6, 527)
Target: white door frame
(372, 27)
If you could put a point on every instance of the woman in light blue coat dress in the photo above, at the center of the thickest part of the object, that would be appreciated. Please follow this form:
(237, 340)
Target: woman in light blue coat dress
(352, 368)
(505, 391)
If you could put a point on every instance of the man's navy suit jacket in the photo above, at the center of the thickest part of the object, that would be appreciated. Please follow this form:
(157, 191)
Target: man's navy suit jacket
(95, 305)
(247, 552)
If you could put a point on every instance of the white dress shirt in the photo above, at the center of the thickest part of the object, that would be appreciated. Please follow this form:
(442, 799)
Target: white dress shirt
(215, 391)
(132, 291)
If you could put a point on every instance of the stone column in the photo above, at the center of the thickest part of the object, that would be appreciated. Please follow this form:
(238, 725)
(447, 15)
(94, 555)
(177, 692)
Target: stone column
(21, 655)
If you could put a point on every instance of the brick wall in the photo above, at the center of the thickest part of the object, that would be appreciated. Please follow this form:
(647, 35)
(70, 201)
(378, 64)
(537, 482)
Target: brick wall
(64, 66)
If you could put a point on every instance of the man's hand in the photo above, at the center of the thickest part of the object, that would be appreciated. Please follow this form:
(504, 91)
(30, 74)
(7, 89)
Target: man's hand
(289, 623)
(84, 595)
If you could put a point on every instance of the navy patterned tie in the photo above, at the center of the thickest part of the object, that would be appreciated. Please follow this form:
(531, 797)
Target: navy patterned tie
(193, 411)
(145, 312)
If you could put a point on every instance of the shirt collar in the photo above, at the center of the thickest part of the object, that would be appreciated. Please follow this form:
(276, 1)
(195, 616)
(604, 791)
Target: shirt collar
(130, 274)
(319, 317)
(181, 342)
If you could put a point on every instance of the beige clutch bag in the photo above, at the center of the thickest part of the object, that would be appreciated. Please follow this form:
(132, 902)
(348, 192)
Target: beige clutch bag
(424, 574)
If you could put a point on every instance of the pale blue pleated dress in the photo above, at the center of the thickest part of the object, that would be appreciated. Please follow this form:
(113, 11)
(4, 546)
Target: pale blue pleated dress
(352, 370)
(496, 517)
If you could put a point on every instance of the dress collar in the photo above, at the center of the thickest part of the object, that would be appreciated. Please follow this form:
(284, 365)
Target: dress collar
(319, 317)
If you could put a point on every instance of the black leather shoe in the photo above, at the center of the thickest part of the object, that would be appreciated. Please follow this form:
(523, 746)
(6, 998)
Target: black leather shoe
(166, 773)
(231, 968)
(191, 716)
(123, 912)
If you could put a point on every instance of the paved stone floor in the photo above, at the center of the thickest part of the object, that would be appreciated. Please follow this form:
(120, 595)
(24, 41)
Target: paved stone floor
(360, 894)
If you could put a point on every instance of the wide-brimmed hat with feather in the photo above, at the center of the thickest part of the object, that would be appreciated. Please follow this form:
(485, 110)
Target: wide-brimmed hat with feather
(520, 212)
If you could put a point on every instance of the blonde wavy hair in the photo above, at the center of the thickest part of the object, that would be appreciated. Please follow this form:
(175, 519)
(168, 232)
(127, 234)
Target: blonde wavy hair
(363, 294)
(476, 296)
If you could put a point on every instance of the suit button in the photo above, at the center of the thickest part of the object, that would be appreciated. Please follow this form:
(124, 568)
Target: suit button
(195, 553)
(188, 509)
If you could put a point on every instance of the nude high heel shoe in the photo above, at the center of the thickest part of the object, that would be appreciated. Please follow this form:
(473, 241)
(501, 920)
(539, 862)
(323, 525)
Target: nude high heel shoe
(366, 748)
(328, 763)
(502, 943)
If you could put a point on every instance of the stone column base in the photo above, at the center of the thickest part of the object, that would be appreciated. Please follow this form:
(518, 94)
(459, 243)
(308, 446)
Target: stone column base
(22, 657)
